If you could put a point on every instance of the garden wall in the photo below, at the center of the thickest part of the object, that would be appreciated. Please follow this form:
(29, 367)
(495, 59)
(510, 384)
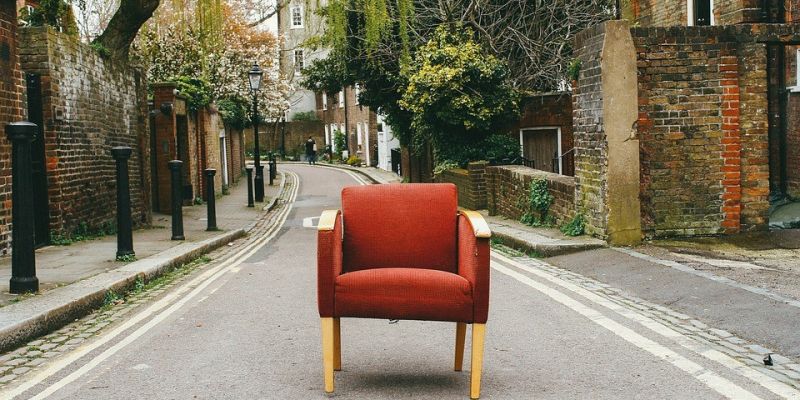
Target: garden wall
(90, 105)
(471, 184)
(508, 189)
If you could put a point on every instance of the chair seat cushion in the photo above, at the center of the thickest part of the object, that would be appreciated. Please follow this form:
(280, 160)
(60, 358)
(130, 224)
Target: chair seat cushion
(404, 293)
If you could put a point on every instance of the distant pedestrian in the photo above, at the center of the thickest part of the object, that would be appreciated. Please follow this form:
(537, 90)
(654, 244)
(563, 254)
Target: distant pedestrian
(311, 151)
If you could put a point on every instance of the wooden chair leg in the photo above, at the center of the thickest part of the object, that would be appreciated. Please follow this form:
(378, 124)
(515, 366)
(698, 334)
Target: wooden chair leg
(327, 352)
(461, 334)
(337, 345)
(478, 334)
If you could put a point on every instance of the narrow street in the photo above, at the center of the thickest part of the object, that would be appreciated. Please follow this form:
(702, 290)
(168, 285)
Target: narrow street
(246, 327)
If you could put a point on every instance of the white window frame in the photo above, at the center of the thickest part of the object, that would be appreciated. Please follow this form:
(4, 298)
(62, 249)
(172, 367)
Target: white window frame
(302, 59)
(366, 144)
(358, 91)
(299, 9)
(341, 98)
(359, 139)
(544, 128)
(690, 13)
(324, 101)
(327, 135)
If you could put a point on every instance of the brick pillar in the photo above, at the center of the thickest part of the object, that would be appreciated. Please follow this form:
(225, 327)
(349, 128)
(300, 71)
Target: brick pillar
(732, 145)
(477, 184)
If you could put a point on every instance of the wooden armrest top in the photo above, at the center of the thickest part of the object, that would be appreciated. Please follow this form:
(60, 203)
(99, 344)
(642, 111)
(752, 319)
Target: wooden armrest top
(479, 225)
(327, 220)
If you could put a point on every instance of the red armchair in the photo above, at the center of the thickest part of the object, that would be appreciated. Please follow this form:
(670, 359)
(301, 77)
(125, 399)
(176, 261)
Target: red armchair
(403, 252)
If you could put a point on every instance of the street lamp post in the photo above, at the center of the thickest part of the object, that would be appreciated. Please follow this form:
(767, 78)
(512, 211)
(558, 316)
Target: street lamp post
(254, 76)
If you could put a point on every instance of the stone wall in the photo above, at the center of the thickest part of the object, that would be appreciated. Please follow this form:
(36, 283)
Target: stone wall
(11, 110)
(90, 105)
(471, 184)
(703, 140)
(508, 191)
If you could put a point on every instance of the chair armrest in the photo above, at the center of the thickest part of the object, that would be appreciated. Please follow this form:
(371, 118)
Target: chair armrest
(329, 259)
(473, 260)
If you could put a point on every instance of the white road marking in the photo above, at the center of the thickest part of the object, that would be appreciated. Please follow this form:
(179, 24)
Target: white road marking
(309, 222)
(199, 284)
(779, 388)
(709, 378)
(722, 263)
(359, 179)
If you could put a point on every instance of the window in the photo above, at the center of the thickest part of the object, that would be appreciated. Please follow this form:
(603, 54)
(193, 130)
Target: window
(327, 136)
(297, 17)
(341, 99)
(358, 91)
(299, 60)
(700, 12)
(324, 101)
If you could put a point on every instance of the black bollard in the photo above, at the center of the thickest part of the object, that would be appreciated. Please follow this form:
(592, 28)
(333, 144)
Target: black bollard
(124, 224)
(23, 257)
(270, 172)
(259, 182)
(211, 201)
(274, 170)
(175, 167)
(250, 186)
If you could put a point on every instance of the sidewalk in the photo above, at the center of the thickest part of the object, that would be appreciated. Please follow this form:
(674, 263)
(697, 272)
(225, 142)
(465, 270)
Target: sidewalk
(547, 242)
(72, 277)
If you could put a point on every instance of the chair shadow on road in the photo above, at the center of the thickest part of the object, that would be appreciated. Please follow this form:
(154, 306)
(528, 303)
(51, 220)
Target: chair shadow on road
(377, 382)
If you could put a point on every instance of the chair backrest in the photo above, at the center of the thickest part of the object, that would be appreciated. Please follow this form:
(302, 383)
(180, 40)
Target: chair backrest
(400, 226)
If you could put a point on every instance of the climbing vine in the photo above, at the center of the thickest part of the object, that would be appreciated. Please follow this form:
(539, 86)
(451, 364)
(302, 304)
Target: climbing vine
(538, 204)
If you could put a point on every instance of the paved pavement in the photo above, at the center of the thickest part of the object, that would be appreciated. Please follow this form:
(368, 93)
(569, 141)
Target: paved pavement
(246, 326)
(57, 266)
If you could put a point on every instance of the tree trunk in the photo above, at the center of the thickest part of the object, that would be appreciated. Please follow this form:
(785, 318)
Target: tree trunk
(124, 25)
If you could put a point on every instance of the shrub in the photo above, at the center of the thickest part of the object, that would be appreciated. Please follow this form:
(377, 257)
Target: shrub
(305, 116)
(354, 161)
(575, 227)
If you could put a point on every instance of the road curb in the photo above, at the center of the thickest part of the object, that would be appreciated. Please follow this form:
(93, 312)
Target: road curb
(40, 315)
(543, 249)
(275, 198)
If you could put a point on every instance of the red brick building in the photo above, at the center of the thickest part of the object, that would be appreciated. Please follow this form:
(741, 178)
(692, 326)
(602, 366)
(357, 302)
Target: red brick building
(342, 112)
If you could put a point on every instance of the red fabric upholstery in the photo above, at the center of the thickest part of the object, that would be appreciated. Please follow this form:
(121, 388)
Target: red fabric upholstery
(404, 293)
(473, 265)
(329, 266)
(400, 226)
(401, 252)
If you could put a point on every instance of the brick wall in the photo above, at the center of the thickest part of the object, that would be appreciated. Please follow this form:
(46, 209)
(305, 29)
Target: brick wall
(663, 13)
(793, 150)
(90, 105)
(704, 162)
(471, 184)
(508, 189)
(12, 108)
(591, 148)
(550, 110)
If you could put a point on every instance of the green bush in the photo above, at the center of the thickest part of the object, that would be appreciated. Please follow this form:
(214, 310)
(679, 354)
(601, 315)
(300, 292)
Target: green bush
(354, 161)
(495, 147)
(197, 91)
(339, 142)
(575, 227)
(538, 204)
(55, 13)
(234, 112)
(305, 116)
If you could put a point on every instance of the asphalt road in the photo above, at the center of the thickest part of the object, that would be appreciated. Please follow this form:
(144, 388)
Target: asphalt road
(252, 332)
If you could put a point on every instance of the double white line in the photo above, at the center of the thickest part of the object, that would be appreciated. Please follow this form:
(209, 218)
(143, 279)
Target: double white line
(173, 301)
(711, 379)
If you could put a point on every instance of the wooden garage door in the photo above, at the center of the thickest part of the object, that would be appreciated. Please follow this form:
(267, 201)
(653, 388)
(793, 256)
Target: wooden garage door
(541, 145)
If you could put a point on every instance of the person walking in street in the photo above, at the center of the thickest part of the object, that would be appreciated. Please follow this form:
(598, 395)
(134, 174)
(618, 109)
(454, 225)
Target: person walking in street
(311, 151)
